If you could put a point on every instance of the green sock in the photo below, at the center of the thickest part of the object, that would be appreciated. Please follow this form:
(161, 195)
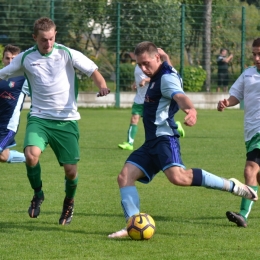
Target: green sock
(131, 133)
(246, 205)
(70, 187)
(34, 176)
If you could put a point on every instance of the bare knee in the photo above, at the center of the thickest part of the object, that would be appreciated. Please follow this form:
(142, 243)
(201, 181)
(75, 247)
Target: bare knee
(122, 178)
(32, 154)
(251, 173)
(128, 175)
(4, 155)
(70, 171)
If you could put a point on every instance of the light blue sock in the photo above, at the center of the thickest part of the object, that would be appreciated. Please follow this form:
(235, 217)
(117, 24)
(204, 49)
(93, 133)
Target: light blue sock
(130, 201)
(15, 157)
(212, 181)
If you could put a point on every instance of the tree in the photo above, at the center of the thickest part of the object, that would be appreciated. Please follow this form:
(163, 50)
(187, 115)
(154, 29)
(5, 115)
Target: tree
(141, 21)
(207, 41)
(17, 18)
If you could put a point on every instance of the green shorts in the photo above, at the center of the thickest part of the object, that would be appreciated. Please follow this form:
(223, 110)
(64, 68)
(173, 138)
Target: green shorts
(254, 143)
(137, 109)
(62, 136)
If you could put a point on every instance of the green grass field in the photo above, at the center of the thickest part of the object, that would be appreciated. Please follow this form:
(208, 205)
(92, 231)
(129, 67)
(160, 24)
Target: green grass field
(190, 221)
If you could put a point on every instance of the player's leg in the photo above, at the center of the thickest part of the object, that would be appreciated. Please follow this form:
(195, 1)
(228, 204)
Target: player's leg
(11, 156)
(7, 141)
(137, 112)
(139, 166)
(71, 182)
(200, 177)
(251, 179)
(33, 168)
(64, 143)
(34, 144)
(168, 150)
(132, 131)
(129, 195)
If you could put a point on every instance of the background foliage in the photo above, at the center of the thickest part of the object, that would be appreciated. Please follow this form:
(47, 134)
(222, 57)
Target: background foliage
(92, 27)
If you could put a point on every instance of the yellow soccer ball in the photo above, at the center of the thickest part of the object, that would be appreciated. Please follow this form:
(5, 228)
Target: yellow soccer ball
(140, 226)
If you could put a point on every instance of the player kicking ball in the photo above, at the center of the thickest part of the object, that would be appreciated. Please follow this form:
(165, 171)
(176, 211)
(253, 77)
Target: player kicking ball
(161, 149)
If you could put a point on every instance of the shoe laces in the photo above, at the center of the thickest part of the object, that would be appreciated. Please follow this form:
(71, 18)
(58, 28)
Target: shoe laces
(36, 202)
(67, 210)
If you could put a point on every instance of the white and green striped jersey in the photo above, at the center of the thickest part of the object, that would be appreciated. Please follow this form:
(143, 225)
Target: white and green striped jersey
(52, 80)
(247, 88)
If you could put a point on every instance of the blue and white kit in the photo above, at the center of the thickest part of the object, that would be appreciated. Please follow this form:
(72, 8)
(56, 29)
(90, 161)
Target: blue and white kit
(12, 95)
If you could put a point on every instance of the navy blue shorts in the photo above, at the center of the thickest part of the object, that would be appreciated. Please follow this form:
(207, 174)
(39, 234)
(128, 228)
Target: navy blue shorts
(6, 139)
(156, 155)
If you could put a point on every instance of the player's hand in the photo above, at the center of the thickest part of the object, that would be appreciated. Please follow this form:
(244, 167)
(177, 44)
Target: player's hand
(222, 104)
(191, 117)
(163, 54)
(103, 92)
(142, 83)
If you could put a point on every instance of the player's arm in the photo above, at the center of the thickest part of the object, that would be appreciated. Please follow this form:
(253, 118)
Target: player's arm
(133, 86)
(187, 107)
(230, 102)
(164, 56)
(14, 69)
(100, 83)
(144, 81)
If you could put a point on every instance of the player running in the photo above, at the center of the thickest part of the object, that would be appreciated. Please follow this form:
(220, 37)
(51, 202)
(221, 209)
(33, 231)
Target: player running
(49, 69)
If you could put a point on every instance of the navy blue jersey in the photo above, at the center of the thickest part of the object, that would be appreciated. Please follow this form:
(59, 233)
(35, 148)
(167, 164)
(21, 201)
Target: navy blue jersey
(12, 94)
(159, 106)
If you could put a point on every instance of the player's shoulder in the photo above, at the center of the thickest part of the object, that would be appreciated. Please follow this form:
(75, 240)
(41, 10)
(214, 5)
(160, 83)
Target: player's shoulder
(27, 52)
(250, 70)
(66, 50)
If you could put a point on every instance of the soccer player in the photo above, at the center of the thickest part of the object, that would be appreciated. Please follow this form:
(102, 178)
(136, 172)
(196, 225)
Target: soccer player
(246, 88)
(12, 95)
(49, 69)
(141, 84)
(161, 150)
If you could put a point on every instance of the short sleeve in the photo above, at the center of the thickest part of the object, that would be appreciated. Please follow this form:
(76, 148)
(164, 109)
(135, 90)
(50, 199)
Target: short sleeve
(171, 84)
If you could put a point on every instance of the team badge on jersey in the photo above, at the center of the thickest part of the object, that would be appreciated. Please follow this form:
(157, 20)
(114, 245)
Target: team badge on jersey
(11, 84)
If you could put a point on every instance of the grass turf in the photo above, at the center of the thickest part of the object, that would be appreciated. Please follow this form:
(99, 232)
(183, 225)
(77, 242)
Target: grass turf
(190, 221)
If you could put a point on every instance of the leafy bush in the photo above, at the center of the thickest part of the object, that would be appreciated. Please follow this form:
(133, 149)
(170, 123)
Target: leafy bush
(193, 78)
(126, 76)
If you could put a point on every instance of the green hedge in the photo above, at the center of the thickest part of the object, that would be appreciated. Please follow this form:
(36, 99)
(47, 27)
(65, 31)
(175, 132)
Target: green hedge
(193, 78)
(126, 76)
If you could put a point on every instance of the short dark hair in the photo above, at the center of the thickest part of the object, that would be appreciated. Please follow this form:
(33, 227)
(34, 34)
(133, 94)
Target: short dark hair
(256, 43)
(11, 48)
(43, 24)
(146, 46)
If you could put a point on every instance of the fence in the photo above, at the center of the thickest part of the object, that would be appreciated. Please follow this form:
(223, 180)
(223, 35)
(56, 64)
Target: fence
(107, 32)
